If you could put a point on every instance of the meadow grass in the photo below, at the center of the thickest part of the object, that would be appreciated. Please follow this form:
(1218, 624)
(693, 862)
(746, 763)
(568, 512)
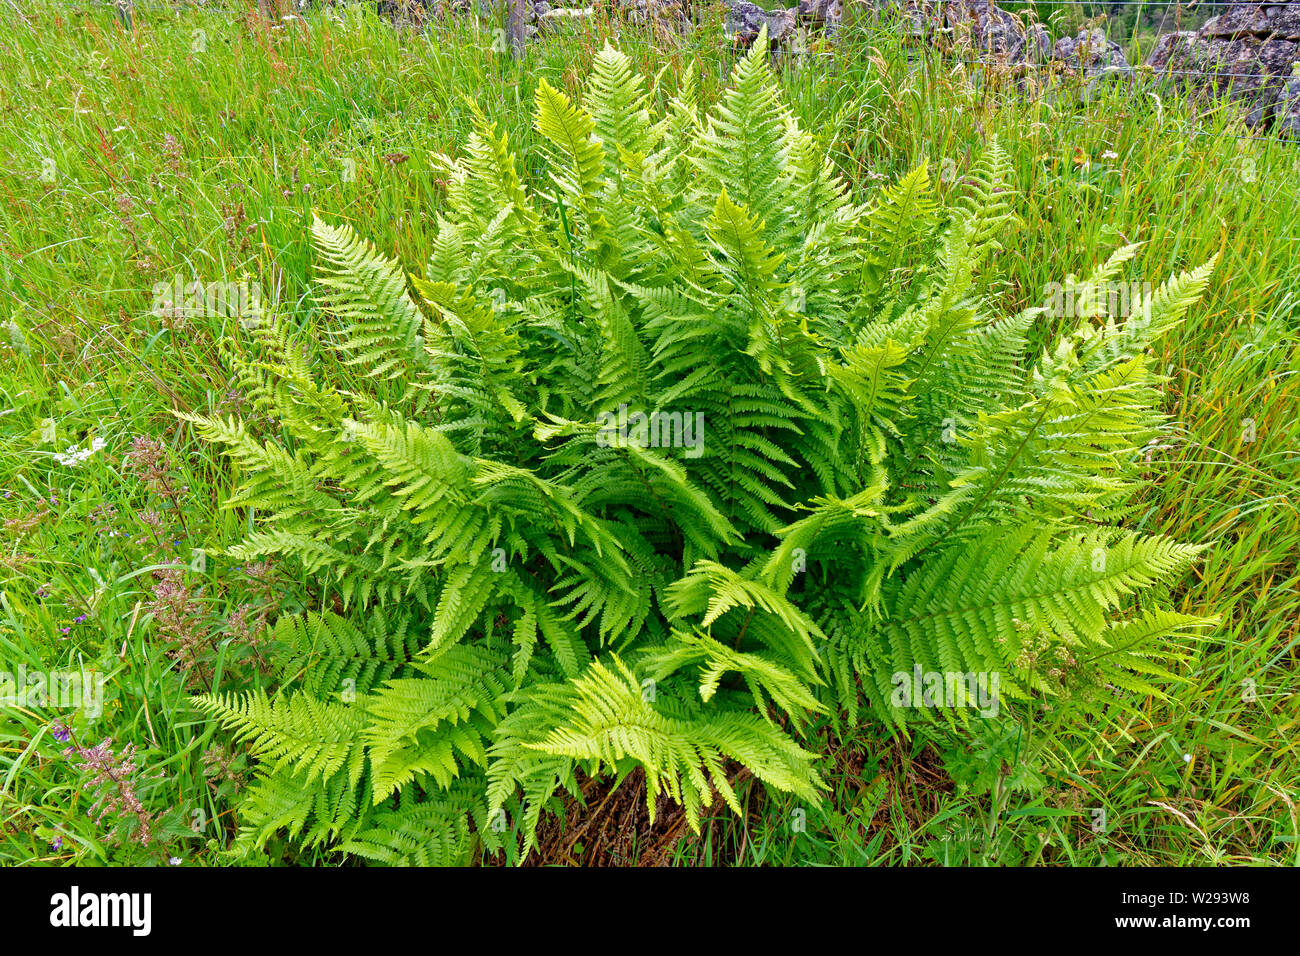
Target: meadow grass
(200, 142)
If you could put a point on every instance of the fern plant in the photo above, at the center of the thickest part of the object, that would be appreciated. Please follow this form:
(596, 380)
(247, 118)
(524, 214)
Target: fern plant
(663, 455)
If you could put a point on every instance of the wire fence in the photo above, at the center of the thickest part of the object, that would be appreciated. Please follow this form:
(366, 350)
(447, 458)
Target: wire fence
(1222, 78)
(945, 35)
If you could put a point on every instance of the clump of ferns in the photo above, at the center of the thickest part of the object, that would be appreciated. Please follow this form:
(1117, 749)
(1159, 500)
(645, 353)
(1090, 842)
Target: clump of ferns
(532, 586)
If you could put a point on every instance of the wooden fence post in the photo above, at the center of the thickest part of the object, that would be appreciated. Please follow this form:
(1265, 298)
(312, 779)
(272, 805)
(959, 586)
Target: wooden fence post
(515, 27)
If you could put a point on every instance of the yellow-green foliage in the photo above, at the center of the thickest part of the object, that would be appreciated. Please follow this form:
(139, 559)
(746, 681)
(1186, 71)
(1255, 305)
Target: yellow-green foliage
(883, 480)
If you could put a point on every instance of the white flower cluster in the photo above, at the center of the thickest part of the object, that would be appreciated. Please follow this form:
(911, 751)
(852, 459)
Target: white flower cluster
(75, 455)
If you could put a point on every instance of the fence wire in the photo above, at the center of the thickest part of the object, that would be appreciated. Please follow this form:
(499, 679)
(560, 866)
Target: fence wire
(897, 19)
(1222, 86)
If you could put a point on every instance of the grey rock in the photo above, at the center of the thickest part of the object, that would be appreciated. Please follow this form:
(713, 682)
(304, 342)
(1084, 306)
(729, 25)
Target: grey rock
(916, 20)
(1253, 19)
(746, 20)
(661, 12)
(994, 33)
(781, 24)
(1248, 52)
(820, 11)
(1278, 55)
(1285, 20)
(1172, 48)
(1287, 113)
(1091, 54)
(1238, 21)
(552, 18)
(1038, 43)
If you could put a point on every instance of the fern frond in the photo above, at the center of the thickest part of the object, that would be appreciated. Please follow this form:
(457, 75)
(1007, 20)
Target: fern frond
(315, 738)
(381, 325)
(611, 721)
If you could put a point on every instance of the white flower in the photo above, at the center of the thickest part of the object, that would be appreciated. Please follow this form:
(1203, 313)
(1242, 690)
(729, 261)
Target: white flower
(1109, 155)
(75, 454)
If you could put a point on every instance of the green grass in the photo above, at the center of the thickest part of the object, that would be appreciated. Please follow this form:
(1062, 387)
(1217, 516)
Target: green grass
(199, 144)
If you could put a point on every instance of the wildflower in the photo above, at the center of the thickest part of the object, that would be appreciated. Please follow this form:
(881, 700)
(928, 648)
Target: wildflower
(149, 460)
(75, 455)
(173, 861)
(113, 776)
(56, 843)
(247, 627)
(60, 732)
(25, 522)
(172, 152)
(243, 626)
(179, 618)
(104, 512)
(236, 226)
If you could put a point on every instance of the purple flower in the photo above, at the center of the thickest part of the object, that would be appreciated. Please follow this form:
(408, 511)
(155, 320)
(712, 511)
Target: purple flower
(80, 619)
(61, 733)
(113, 781)
(56, 843)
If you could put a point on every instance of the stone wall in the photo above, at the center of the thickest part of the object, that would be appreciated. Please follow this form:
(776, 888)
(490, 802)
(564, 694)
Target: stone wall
(1251, 51)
